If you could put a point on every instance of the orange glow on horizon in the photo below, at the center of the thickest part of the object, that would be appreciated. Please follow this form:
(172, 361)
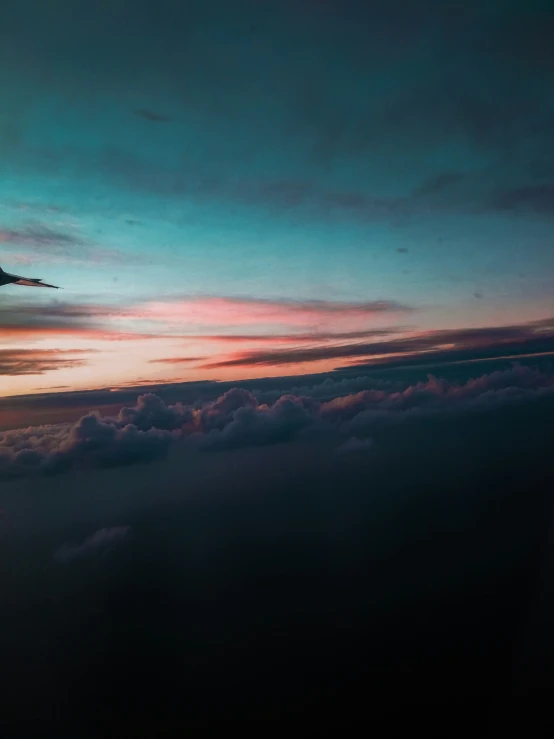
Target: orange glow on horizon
(233, 330)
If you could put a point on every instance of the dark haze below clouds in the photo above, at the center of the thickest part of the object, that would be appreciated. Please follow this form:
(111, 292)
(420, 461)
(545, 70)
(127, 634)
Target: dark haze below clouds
(288, 583)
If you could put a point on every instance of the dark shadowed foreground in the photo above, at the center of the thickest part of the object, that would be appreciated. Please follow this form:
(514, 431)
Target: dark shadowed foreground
(402, 582)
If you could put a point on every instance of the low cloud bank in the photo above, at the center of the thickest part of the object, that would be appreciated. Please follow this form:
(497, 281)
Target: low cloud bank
(147, 430)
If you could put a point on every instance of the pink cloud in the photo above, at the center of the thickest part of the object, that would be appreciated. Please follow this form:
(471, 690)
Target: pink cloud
(77, 332)
(295, 337)
(177, 360)
(214, 311)
(283, 321)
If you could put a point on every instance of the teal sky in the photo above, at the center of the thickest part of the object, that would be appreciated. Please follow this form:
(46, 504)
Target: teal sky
(302, 151)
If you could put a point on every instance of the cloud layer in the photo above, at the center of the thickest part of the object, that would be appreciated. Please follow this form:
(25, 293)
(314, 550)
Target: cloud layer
(283, 321)
(147, 430)
(229, 311)
(229, 334)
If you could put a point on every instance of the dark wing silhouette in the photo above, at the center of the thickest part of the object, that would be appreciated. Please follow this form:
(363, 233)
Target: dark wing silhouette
(7, 279)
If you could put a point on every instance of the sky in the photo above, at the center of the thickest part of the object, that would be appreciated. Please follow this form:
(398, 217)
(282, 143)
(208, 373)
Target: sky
(280, 449)
(229, 190)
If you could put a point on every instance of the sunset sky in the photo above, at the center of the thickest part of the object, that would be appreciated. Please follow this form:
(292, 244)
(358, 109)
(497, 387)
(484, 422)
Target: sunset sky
(280, 449)
(229, 190)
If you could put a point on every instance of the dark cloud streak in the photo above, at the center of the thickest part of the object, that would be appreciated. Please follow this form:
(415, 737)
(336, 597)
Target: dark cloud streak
(529, 199)
(150, 115)
(39, 236)
(526, 337)
(15, 362)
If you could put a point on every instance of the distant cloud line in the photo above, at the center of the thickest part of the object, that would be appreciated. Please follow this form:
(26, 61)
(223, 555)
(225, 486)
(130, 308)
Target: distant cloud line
(238, 418)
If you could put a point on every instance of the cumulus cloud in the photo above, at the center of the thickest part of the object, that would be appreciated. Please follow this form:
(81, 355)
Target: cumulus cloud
(101, 542)
(252, 424)
(330, 388)
(151, 412)
(239, 417)
(91, 442)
